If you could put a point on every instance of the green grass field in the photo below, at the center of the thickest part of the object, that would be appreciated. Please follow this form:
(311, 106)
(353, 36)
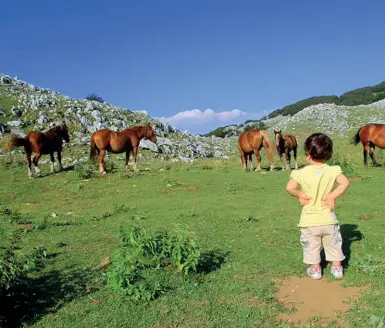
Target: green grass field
(244, 222)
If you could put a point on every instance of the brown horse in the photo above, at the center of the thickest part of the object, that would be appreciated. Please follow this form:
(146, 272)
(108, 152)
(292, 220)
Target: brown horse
(251, 142)
(118, 142)
(286, 144)
(370, 135)
(41, 143)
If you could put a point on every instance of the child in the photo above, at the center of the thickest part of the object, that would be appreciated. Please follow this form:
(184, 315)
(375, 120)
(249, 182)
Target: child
(318, 221)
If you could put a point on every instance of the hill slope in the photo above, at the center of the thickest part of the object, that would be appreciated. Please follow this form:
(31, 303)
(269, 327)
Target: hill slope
(348, 111)
(25, 107)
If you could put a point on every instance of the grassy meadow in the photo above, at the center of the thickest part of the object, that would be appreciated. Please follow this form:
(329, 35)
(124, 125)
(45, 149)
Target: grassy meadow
(244, 223)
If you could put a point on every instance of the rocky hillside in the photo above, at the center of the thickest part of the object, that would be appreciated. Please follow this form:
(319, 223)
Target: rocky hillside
(335, 119)
(25, 107)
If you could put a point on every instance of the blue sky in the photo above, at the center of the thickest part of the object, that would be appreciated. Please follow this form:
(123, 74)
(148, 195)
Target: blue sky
(198, 64)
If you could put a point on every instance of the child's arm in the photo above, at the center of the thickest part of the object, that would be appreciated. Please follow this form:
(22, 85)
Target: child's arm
(292, 189)
(343, 184)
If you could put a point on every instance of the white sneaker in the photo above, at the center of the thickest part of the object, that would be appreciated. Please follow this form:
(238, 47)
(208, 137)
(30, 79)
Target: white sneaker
(314, 274)
(337, 272)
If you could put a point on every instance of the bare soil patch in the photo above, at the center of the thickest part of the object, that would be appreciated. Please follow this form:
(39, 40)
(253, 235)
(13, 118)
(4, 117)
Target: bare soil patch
(315, 298)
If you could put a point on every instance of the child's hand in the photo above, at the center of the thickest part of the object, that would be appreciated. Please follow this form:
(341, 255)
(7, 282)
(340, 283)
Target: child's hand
(304, 199)
(329, 201)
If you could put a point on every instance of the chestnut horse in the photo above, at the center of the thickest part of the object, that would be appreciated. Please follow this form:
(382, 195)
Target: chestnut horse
(41, 143)
(370, 135)
(251, 142)
(286, 144)
(118, 142)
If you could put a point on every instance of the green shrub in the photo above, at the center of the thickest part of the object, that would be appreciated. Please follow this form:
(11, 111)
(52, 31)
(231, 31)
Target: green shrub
(95, 97)
(83, 171)
(14, 264)
(11, 266)
(140, 254)
(345, 165)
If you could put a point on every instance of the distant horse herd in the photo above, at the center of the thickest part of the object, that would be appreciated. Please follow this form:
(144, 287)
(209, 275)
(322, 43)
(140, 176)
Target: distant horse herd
(40, 143)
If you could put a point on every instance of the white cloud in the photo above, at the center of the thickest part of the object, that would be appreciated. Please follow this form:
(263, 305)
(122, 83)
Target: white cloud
(196, 116)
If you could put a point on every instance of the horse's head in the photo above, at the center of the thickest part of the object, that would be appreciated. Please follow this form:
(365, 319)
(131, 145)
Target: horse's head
(64, 133)
(149, 133)
(278, 136)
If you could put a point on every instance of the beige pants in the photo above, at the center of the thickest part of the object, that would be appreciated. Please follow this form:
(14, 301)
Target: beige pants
(328, 236)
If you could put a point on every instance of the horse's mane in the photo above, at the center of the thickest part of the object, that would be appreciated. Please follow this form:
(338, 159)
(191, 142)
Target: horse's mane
(57, 129)
(138, 127)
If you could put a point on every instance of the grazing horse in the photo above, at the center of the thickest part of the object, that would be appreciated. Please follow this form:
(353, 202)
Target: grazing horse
(286, 144)
(41, 143)
(251, 142)
(118, 142)
(370, 135)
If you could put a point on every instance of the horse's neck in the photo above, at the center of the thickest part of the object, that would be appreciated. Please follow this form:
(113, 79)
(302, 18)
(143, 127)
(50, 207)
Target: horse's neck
(52, 134)
(282, 144)
(140, 132)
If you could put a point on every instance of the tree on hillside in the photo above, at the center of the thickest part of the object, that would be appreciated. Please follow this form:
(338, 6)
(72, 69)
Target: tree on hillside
(95, 97)
(257, 125)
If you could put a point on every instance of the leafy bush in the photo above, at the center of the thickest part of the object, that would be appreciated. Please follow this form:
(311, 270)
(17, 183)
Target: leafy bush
(95, 97)
(257, 125)
(345, 165)
(11, 266)
(83, 171)
(141, 253)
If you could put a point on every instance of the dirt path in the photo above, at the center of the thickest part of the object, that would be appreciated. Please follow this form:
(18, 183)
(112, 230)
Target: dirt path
(315, 298)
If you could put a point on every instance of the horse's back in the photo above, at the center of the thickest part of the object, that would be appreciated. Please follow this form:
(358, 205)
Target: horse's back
(375, 133)
(292, 141)
(250, 140)
(40, 142)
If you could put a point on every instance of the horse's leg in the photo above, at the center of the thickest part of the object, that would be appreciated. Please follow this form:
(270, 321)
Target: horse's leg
(365, 146)
(288, 156)
(134, 153)
(59, 160)
(29, 164)
(372, 148)
(251, 161)
(127, 158)
(281, 159)
(258, 160)
(243, 160)
(295, 158)
(102, 169)
(52, 162)
(35, 163)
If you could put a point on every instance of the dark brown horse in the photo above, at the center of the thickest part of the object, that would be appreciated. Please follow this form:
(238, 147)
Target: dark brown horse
(251, 142)
(118, 142)
(286, 144)
(41, 143)
(371, 135)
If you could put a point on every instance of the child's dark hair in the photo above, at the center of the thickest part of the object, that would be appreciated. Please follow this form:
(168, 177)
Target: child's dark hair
(319, 146)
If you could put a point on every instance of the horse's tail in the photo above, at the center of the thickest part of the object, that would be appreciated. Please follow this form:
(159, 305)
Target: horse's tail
(267, 144)
(14, 141)
(356, 139)
(94, 149)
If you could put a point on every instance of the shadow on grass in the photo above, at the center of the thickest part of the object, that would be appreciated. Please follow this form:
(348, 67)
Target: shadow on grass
(32, 298)
(212, 261)
(349, 235)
